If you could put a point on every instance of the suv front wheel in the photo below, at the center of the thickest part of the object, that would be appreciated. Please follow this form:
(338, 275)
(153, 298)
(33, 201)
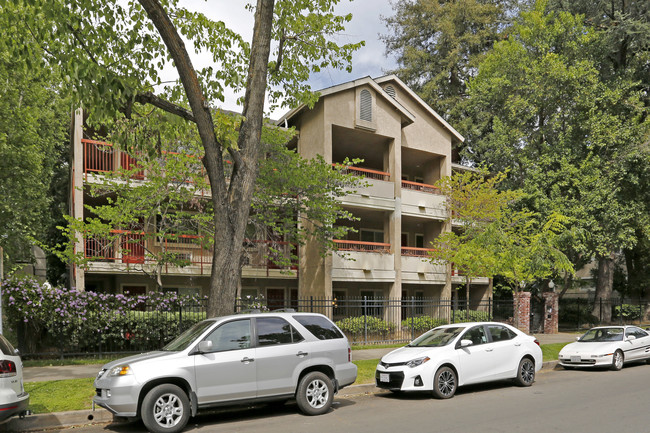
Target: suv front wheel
(165, 409)
(315, 393)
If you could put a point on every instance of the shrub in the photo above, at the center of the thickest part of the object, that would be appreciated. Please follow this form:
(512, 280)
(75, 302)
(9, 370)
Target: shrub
(81, 321)
(422, 323)
(356, 326)
(470, 316)
(628, 312)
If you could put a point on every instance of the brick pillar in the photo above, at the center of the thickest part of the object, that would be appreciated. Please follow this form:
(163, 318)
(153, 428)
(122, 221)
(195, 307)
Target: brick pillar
(551, 308)
(522, 311)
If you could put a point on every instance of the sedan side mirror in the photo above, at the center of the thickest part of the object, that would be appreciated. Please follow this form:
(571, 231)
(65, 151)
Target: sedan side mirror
(577, 338)
(630, 338)
(204, 346)
(465, 343)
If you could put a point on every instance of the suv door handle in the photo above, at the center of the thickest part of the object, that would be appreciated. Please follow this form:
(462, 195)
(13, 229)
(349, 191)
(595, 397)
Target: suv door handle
(247, 360)
(302, 354)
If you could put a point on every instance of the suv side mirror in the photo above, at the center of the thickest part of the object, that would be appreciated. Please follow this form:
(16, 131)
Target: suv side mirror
(204, 346)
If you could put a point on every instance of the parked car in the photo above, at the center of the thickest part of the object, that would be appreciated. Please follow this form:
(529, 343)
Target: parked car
(450, 356)
(13, 398)
(607, 346)
(230, 360)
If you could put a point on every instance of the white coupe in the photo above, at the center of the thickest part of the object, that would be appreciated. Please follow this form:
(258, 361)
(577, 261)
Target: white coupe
(607, 346)
(450, 356)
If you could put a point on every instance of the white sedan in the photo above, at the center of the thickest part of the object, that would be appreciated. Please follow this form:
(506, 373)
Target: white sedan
(607, 346)
(450, 356)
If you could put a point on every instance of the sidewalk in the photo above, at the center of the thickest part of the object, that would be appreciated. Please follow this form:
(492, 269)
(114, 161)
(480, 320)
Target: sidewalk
(40, 374)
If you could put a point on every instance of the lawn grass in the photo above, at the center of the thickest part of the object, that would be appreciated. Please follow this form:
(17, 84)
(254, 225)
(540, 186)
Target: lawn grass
(60, 395)
(551, 351)
(68, 361)
(366, 370)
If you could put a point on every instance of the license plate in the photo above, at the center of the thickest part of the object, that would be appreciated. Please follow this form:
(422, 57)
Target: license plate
(575, 359)
(384, 377)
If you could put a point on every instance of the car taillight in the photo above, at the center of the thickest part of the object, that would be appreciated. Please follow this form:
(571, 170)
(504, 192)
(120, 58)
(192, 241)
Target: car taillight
(349, 355)
(7, 368)
(536, 341)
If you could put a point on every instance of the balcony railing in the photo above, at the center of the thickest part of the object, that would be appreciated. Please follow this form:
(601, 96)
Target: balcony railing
(101, 157)
(369, 247)
(364, 172)
(140, 248)
(422, 187)
(416, 252)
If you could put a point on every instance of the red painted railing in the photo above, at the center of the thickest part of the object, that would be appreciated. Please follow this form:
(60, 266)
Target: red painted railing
(416, 252)
(101, 157)
(422, 187)
(370, 247)
(364, 172)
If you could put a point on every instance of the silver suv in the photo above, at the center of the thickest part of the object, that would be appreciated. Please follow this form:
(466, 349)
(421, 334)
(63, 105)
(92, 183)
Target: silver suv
(13, 398)
(231, 360)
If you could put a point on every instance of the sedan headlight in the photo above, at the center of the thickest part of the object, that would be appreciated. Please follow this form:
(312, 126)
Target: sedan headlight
(417, 361)
(120, 370)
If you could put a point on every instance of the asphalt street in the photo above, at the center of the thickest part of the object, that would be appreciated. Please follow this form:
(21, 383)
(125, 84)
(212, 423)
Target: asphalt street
(559, 401)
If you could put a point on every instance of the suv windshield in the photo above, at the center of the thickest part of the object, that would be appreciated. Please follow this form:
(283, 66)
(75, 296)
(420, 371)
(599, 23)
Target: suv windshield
(602, 334)
(184, 340)
(436, 337)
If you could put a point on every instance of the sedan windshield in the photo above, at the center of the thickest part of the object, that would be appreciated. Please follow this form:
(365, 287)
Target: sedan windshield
(436, 337)
(598, 335)
(184, 340)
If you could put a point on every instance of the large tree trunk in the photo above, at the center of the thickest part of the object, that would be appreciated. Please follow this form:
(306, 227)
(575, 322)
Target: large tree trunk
(232, 200)
(604, 284)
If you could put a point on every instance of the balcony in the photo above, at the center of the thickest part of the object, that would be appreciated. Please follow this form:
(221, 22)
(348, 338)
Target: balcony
(380, 192)
(363, 261)
(125, 250)
(417, 268)
(423, 200)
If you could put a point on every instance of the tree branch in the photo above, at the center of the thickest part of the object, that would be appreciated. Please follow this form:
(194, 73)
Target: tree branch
(163, 104)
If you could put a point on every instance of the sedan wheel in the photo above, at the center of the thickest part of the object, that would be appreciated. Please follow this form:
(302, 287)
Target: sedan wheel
(444, 383)
(617, 361)
(165, 409)
(525, 372)
(315, 393)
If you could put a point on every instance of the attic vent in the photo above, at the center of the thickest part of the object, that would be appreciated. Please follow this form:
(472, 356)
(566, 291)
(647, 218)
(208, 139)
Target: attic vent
(390, 90)
(365, 112)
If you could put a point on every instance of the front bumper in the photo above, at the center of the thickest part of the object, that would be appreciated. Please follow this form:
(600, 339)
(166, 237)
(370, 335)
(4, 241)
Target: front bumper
(118, 395)
(403, 378)
(15, 407)
(586, 361)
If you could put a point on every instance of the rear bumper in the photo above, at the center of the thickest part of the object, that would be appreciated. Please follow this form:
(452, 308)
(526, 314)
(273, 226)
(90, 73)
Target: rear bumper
(346, 374)
(14, 408)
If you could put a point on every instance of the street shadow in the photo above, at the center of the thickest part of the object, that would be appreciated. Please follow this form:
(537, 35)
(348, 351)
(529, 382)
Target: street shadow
(231, 414)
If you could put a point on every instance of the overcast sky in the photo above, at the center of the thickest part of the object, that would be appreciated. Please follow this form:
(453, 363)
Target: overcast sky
(365, 25)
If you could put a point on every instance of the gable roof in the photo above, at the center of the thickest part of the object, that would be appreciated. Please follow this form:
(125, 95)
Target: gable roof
(411, 93)
(407, 116)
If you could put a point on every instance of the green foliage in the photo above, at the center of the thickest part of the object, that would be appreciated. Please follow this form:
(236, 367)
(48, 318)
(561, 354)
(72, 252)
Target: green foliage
(422, 323)
(356, 327)
(462, 316)
(80, 321)
(628, 312)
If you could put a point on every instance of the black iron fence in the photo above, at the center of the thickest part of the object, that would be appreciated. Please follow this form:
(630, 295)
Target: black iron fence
(364, 320)
(583, 313)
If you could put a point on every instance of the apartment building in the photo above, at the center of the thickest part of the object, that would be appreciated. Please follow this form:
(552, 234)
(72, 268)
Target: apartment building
(405, 147)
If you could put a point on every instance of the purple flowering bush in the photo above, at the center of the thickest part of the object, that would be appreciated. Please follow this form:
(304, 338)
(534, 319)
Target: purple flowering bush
(74, 321)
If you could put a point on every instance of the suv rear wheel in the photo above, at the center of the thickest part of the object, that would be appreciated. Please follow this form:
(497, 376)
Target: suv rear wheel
(315, 393)
(165, 409)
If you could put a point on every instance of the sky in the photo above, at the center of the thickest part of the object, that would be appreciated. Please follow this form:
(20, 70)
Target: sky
(365, 25)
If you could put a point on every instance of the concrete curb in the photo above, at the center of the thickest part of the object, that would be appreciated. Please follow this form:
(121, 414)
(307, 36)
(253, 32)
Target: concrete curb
(56, 420)
(100, 415)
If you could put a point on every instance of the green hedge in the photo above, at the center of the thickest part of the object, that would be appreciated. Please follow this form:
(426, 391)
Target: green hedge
(356, 326)
(422, 323)
(470, 316)
(629, 312)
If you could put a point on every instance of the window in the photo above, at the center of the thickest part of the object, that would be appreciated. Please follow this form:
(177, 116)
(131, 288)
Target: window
(636, 332)
(231, 336)
(320, 327)
(500, 333)
(365, 108)
(476, 335)
(419, 240)
(368, 235)
(274, 330)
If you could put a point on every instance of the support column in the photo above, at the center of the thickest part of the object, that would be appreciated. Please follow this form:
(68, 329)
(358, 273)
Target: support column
(551, 308)
(522, 311)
